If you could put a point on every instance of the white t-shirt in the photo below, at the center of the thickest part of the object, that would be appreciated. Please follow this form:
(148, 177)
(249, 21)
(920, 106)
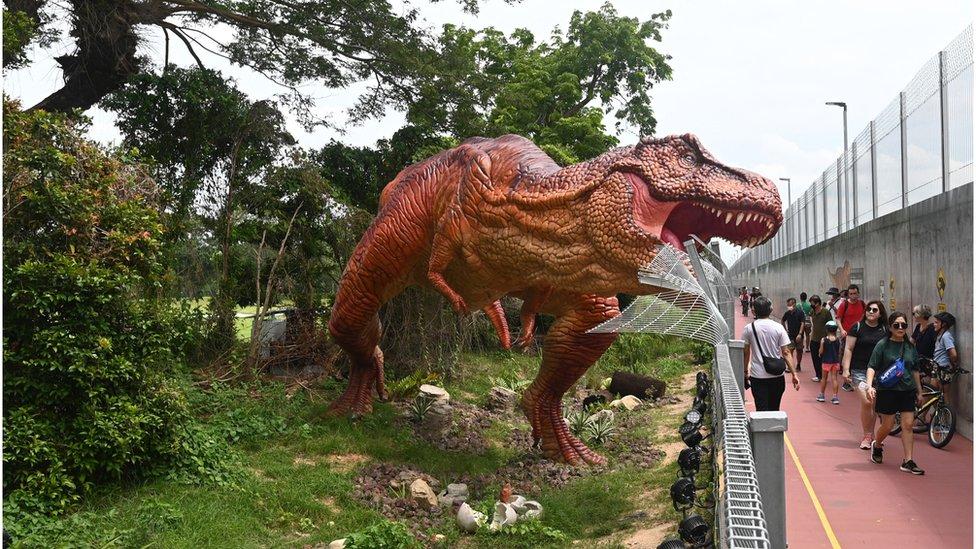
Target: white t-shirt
(772, 337)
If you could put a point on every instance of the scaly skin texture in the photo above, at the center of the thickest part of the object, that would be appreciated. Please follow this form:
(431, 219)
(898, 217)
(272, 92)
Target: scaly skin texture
(497, 216)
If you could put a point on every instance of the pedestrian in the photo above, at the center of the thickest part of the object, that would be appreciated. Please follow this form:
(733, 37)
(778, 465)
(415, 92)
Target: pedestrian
(830, 362)
(832, 301)
(849, 312)
(767, 344)
(807, 309)
(945, 354)
(819, 316)
(901, 395)
(744, 300)
(861, 341)
(793, 321)
(923, 336)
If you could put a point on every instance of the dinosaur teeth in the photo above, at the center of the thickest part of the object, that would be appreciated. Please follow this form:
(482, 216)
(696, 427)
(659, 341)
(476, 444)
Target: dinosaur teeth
(728, 217)
(738, 219)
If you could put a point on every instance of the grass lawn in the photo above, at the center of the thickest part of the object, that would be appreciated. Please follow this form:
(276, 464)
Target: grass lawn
(298, 467)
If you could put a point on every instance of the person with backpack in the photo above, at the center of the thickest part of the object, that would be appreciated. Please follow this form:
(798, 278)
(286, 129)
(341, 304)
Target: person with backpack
(850, 310)
(861, 341)
(744, 300)
(832, 302)
(830, 362)
(894, 385)
(767, 358)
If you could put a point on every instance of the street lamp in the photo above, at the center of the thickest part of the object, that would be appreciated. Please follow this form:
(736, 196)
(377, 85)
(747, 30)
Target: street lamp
(844, 106)
(789, 191)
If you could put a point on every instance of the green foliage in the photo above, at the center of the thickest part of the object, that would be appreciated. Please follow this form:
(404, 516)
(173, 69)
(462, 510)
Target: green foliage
(408, 386)
(419, 408)
(513, 381)
(384, 534)
(527, 533)
(578, 420)
(89, 351)
(23, 25)
(702, 352)
(600, 430)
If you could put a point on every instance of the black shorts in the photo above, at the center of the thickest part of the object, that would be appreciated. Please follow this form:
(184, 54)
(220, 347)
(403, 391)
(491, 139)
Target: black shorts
(888, 402)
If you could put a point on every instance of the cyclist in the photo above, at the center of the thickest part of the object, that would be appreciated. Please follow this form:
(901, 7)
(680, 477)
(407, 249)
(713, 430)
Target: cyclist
(861, 340)
(899, 398)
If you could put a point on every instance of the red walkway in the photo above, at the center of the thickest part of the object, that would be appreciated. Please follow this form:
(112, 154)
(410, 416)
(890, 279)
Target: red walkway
(869, 505)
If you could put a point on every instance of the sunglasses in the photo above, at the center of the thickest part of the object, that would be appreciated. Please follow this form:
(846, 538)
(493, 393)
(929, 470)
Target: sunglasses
(874, 310)
(899, 325)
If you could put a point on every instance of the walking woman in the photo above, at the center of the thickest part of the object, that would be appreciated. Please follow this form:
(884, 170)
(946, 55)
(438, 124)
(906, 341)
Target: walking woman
(819, 317)
(901, 396)
(862, 338)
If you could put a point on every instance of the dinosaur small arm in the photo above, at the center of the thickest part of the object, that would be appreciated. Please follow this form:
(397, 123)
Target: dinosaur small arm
(496, 217)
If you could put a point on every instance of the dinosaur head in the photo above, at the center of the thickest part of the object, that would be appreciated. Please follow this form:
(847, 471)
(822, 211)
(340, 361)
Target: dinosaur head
(679, 189)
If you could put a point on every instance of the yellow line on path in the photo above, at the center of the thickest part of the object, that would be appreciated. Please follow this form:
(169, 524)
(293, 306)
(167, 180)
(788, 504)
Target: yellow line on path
(834, 544)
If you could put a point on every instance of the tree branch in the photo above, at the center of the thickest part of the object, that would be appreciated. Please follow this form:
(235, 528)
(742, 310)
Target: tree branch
(176, 30)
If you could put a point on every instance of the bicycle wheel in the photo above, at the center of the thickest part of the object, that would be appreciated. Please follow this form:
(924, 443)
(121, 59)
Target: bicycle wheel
(923, 419)
(942, 428)
(897, 428)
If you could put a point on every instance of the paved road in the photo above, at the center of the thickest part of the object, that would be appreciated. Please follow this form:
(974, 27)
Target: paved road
(864, 504)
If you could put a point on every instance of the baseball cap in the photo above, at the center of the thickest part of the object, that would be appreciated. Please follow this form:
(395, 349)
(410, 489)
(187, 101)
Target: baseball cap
(832, 291)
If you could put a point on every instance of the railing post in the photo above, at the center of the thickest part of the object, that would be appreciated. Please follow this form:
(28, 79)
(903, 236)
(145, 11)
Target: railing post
(737, 358)
(767, 430)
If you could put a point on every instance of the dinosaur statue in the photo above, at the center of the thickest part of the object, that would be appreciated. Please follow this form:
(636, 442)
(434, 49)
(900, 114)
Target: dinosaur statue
(495, 217)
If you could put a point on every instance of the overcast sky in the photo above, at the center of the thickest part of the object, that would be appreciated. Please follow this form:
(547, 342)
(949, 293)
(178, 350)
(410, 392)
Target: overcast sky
(750, 77)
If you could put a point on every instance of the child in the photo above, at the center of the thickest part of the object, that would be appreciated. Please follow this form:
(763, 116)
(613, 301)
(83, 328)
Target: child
(830, 355)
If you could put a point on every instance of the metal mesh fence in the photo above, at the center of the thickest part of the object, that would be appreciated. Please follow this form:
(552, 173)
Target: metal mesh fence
(921, 145)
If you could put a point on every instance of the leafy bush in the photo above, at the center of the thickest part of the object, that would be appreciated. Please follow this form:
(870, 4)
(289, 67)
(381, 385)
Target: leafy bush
(528, 533)
(600, 430)
(419, 408)
(511, 381)
(383, 535)
(89, 351)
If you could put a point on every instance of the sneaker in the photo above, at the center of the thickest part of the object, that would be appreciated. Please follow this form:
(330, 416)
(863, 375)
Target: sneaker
(877, 452)
(835, 400)
(866, 442)
(814, 378)
(909, 466)
(820, 397)
(847, 387)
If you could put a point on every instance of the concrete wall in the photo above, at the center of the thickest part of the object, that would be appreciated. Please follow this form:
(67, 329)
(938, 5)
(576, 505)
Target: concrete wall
(901, 255)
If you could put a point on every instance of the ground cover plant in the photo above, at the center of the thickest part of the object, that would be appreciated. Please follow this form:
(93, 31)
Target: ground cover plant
(304, 479)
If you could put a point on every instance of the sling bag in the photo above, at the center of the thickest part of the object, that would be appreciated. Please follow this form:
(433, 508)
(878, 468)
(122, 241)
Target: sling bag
(773, 366)
(890, 377)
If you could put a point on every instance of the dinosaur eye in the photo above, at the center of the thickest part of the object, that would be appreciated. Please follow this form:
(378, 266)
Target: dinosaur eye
(687, 161)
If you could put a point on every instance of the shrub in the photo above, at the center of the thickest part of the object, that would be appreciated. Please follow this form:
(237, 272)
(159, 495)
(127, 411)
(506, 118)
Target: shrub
(383, 535)
(89, 350)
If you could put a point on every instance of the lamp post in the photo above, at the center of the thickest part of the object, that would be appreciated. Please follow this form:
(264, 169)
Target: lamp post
(846, 184)
(789, 191)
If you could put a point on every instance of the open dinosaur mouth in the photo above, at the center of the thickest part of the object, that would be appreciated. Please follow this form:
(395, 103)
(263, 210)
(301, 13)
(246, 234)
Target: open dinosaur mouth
(745, 228)
(675, 222)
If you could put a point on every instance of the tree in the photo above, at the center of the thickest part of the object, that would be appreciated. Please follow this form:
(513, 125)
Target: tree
(332, 42)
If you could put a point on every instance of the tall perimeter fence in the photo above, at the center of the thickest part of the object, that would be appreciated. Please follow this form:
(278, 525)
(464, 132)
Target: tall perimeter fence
(919, 146)
(747, 450)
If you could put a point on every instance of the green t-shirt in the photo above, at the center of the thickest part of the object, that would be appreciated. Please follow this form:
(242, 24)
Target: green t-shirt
(805, 305)
(886, 352)
(819, 321)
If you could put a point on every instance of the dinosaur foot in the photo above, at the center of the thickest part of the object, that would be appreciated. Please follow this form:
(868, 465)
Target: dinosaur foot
(545, 415)
(357, 400)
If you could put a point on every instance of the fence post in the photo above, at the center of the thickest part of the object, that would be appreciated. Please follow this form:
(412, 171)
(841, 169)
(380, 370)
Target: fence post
(767, 430)
(737, 358)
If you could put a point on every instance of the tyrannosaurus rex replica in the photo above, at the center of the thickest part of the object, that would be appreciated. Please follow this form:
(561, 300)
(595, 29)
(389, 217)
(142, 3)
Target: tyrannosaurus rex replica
(497, 216)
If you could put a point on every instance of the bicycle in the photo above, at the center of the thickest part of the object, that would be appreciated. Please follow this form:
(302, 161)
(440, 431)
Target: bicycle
(934, 415)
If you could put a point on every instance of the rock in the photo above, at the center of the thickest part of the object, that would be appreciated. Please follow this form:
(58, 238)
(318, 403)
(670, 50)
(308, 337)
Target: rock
(501, 399)
(470, 520)
(459, 489)
(338, 544)
(437, 421)
(505, 515)
(599, 416)
(438, 538)
(533, 509)
(616, 404)
(630, 402)
(421, 493)
(627, 383)
(434, 392)
(455, 494)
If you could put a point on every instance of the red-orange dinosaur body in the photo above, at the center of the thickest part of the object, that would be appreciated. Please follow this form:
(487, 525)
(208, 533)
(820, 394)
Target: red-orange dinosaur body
(497, 216)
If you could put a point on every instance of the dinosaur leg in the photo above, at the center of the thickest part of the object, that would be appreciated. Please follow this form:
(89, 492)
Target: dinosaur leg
(441, 254)
(497, 317)
(569, 351)
(355, 326)
(530, 308)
